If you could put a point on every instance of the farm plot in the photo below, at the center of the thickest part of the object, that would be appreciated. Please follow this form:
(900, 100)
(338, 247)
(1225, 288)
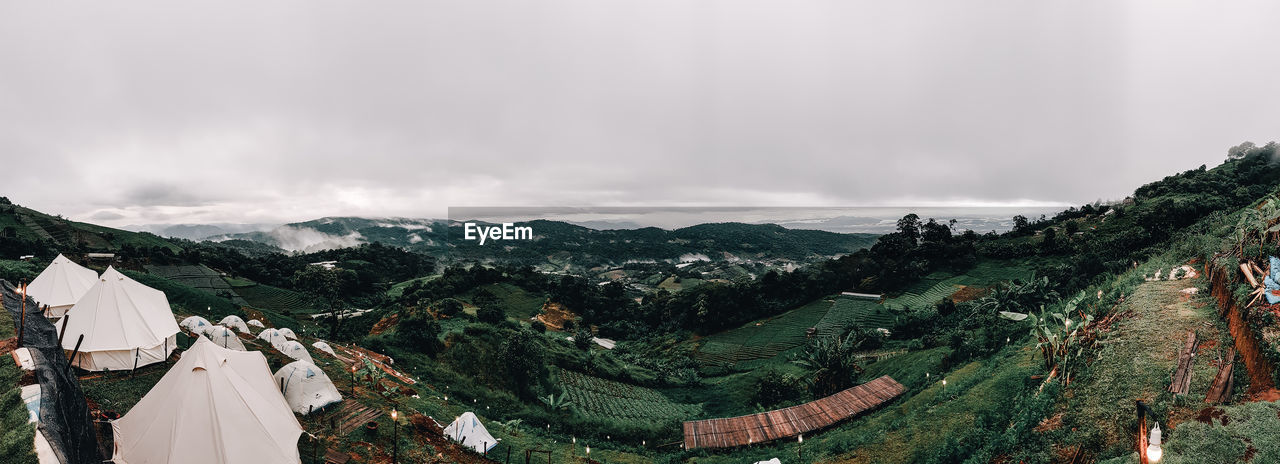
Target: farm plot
(277, 299)
(602, 399)
(925, 298)
(853, 312)
(198, 277)
(762, 339)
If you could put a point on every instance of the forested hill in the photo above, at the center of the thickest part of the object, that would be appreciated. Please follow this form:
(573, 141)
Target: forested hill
(720, 241)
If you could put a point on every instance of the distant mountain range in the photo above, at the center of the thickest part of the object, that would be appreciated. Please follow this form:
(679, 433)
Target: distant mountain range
(559, 243)
(554, 245)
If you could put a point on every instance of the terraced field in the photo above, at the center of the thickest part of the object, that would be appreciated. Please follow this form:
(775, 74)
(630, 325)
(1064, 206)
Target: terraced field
(199, 277)
(934, 287)
(854, 312)
(762, 339)
(602, 399)
(277, 299)
(928, 297)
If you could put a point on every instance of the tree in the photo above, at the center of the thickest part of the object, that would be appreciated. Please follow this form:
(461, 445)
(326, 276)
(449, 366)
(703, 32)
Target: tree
(582, 337)
(484, 297)
(909, 227)
(448, 307)
(323, 283)
(1050, 239)
(419, 330)
(1020, 224)
(934, 232)
(490, 314)
(521, 357)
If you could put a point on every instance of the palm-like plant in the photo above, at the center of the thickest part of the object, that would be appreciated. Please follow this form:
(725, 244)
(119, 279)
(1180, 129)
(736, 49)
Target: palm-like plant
(833, 362)
(1058, 335)
(556, 403)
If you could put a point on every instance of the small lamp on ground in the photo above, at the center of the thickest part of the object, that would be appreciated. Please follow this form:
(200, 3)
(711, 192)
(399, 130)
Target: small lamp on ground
(800, 451)
(1153, 445)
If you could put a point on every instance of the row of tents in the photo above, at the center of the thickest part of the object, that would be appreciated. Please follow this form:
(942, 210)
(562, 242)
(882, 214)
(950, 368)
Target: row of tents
(219, 403)
(111, 322)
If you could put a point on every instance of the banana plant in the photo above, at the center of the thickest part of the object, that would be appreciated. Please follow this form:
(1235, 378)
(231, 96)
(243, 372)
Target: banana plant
(1057, 334)
(556, 403)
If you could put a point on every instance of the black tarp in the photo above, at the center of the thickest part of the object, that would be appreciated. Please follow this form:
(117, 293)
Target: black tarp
(64, 415)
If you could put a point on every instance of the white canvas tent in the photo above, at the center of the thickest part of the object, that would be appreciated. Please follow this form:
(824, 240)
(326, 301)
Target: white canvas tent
(295, 350)
(61, 285)
(306, 387)
(224, 337)
(288, 333)
(771, 461)
(215, 406)
(322, 346)
(272, 336)
(255, 323)
(235, 322)
(195, 324)
(468, 430)
(125, 325)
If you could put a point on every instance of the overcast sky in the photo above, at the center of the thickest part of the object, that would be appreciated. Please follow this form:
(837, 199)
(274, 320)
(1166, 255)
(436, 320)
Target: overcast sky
(171, 112)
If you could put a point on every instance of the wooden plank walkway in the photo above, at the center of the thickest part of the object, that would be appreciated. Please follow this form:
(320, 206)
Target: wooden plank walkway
(789, 422)
(351, 415)
(1181, 383)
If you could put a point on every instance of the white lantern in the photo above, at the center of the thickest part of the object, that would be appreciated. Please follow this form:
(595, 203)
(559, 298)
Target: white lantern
(1153, 445)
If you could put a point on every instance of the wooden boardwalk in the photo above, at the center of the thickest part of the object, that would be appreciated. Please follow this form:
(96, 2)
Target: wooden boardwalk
(789, 422)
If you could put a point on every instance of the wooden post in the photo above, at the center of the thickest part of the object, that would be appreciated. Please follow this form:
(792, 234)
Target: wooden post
(1142, 433)
(22, 318)
(136, 353)
(63, 332)
(72, 361)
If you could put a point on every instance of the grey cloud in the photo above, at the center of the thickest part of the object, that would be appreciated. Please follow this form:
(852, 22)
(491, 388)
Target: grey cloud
(253, 112)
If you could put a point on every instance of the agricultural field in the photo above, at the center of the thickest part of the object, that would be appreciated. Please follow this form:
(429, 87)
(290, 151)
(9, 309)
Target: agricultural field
(198, 277)
(762, 339)
(398, 289)
(933, 288)
(513, 300)
(675, 284)
(277, 299)
(928, 297)
(854, 312)
(602, 399)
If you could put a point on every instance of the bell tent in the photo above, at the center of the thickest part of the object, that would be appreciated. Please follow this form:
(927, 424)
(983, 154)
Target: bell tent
(288, 333)
(215, 406)
(61, 285)
(125, 325)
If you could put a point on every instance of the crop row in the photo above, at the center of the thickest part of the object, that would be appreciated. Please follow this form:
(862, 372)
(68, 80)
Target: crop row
(929, 297)
(606, 399)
